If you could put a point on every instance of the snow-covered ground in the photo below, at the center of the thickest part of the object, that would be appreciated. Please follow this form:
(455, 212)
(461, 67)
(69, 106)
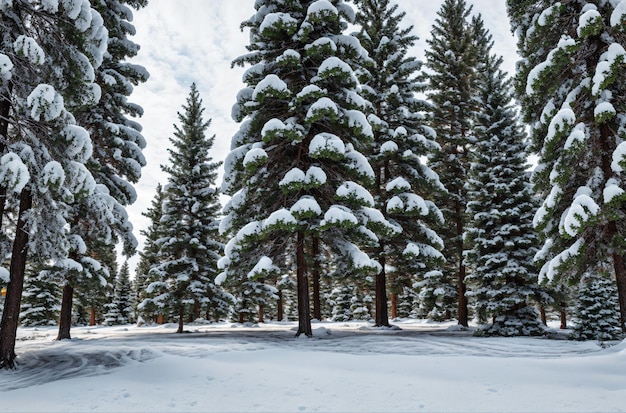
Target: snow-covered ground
(423, 367)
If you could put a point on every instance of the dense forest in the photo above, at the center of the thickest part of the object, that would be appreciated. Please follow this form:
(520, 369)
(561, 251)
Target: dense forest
(363, 183)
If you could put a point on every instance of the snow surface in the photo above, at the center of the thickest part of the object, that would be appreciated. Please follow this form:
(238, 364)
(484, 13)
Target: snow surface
(345, 367)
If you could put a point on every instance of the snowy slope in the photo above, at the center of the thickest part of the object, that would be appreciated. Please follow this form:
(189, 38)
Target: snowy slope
(344, 367)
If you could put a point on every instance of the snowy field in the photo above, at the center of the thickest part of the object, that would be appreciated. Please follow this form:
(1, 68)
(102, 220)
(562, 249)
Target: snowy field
(345, 367)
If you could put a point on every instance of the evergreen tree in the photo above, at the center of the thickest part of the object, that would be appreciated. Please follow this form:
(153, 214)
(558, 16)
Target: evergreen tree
(188, 248)
(49, 54)
(500, 236)
(403, 182)
(116, 158)
(120, 309)
(41, 302)
(149, 258)
(597, 310)
(452, 60)
(296, 170)
(570, 82)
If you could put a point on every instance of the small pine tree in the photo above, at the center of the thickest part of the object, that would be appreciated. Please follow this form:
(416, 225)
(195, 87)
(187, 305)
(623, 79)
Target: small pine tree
(41, 300)
(597, 310)
(120, 309)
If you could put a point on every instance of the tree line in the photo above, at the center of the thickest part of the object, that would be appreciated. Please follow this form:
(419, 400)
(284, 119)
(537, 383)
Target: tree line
(358, 172)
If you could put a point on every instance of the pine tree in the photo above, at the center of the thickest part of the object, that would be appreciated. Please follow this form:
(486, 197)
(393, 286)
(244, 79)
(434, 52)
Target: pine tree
(401, 140)
(570, 83)
(500, 236)
(149, 258)
(452, 60)
(597, 310)
(41, 302)
(296, 170)
(120, 309)
(188, 248)
(49, 53)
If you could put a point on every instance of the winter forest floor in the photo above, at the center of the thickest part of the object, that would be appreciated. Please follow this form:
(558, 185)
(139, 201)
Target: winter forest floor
(345, 367)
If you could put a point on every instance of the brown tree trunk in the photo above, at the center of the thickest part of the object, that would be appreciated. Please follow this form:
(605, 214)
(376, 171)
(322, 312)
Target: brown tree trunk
(241, 318)
(181, 318)
(13, 300)
(304, 316)
(65, 319)
(92, 317)
(620, 279)
(382, 317)
(279, 306)
(159, 319)
(315, 273)
(394, 305)
(563, 317)
(542, 313)
(261, 311)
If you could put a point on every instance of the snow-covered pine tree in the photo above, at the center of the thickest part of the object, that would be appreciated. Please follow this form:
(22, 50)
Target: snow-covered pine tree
(120, 309)
(570, 82)
(597, 309)
(403, 183)
(41, 301)
(500, 238)
(148, 258)
(296, 170)
(188, 248)
(452, 59)
(116, 157)
(49, 53)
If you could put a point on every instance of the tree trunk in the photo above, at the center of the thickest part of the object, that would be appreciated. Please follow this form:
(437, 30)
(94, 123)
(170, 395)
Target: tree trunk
(92, 317)
(159, 319)
(620, 279)
(394, 305)
(304, 316)
(315, 272)
(181, 318)
(382, 317)
(13, 300)
(279, 306)
(542, 313)
(563, 317)
(261, 311)
(65, 319)
(241, 318)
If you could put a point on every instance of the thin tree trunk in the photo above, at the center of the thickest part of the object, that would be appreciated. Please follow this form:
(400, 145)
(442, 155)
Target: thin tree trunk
(181, 319)
(542, 313)
(159, 319)
(65, 319)
(279, 306)
(315, 272)
(563, 317)
(304, 316)
(382, 317)
(261, 311)
(620, 279)
(92, 317)
(13, 300)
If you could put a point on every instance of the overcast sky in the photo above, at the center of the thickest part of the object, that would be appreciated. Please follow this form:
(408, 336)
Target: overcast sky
(196, 40)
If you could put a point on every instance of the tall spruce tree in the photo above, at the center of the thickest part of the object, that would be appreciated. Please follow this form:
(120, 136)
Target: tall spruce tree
(49, 53)
(500, 238)
(188, 247)
(296, 171)
(571, 84)
(403, 183)
(452, 62)
(41, 301)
